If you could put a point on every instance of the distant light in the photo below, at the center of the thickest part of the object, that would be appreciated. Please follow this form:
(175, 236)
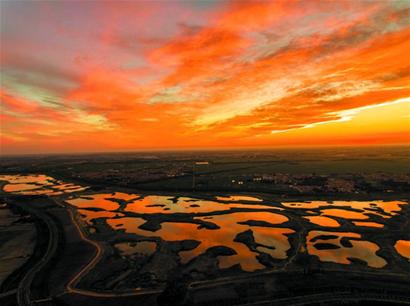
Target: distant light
(202, 163)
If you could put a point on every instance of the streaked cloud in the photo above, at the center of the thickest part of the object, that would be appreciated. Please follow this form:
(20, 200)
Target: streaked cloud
(185, 74)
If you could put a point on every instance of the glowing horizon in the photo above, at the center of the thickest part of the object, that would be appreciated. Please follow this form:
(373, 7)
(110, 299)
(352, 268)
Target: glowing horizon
(123, 76)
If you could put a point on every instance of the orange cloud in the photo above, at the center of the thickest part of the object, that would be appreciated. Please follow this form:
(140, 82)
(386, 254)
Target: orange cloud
(245, 73)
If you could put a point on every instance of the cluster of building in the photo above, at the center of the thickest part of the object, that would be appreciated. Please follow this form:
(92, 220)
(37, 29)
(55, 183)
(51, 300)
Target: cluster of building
(131, 176)
(332, 183)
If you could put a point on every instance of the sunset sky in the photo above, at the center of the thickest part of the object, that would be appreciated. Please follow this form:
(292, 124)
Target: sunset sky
(109, 76)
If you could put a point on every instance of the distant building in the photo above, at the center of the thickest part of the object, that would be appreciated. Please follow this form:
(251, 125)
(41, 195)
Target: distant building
(340, 185)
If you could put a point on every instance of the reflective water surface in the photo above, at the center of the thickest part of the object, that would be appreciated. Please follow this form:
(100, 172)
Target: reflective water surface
(329, 246)
(342, 213)
(403, 248)
(89, 215)
(38, 184)
(168, 205)
(20, 187)
(266, 237)
(368, 224)
(274, 240)
(239, 198)
(323, 221)
(106, 201)
(249, 226)
(385, 209)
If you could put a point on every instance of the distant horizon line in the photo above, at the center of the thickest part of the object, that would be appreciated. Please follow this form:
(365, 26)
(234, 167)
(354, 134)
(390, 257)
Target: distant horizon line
(203, 149)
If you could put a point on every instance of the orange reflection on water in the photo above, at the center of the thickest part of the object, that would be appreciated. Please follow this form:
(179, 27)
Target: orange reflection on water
(40, 179)
(68, 187)
(229, 228)
(403, 248)
(89, 215)
(368, 224)
(144, 205)
(323, 221)
(20, 187)
(164, 204)
(37, 185)
(363, 250)
(48, 192)
(129, 224)
(102, 201)
(342, 213)
(391, 208)
(239, 198)
(276, 238)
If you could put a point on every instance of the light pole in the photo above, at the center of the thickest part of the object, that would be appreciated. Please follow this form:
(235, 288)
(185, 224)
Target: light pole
(193, 171)
(193, 176)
